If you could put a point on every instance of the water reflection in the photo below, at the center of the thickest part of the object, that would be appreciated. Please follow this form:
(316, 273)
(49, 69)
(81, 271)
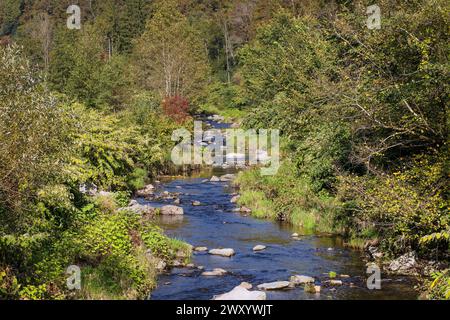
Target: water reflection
(174, 221)
(214, 225)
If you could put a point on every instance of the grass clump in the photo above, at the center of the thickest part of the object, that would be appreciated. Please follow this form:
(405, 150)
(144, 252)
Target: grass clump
(286, 196)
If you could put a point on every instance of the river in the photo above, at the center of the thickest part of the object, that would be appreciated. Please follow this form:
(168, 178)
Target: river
(213, 224)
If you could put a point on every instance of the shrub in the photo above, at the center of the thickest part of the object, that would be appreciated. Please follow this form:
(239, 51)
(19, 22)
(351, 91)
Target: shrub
(403, 207)
(439, 287)
(177, 108)
(162, 246)
(287, 196)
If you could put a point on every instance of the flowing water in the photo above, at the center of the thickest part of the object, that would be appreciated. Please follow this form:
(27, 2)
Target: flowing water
(213, 224)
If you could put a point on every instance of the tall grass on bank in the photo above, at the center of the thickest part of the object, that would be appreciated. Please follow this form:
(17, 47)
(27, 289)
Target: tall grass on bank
(287, 197)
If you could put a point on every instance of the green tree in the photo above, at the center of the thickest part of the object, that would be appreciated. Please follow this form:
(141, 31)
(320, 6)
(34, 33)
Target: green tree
(35, 134)
(170, 56)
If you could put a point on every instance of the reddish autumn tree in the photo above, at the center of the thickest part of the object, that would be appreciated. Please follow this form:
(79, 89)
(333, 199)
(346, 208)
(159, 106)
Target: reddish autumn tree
(176, 107)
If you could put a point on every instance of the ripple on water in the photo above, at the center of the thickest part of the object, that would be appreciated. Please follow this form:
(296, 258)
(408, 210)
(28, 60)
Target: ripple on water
(214, 225)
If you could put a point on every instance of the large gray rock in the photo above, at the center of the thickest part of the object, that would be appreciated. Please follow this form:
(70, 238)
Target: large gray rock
(171, 210)
(222, 252)
(404, 264)
(241, 293)
(277, 285)
(300, 279)
(214, 179)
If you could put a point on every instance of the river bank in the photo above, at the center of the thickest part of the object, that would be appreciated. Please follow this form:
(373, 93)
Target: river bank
(215, 224)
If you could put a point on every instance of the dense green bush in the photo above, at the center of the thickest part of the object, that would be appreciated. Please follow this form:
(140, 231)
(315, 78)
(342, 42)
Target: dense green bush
(439, 286)
(52, 147)
(402, 207)
(163, 247)
(363, 115)
(287, 197)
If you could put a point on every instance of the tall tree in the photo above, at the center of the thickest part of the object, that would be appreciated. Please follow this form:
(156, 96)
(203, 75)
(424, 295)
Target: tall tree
(170, 55)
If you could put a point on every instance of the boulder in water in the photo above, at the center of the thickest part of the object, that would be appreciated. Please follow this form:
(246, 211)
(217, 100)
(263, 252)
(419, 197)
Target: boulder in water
(277, 285)
(241, 293)
(215, 272)
(138, 208)
(404, 264)
(259, 247)
(171, 210)
(228, 252)
(300, 279)
(246, 285)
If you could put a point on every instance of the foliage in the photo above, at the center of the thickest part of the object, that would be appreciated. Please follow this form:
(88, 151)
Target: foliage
(363, 116)
(170, 57)
(286, 197)
(406, 207)
(9, 12)
(397, 82)
(109, 151)
(223, 97)
(439, 287)
(34, 130)
(51, 148)
(176, 108)
(163, 247)
(85, 71)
